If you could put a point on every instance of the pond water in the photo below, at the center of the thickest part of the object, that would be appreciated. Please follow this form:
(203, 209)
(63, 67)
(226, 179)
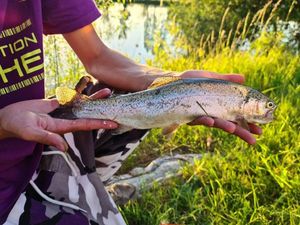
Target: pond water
(131, 30)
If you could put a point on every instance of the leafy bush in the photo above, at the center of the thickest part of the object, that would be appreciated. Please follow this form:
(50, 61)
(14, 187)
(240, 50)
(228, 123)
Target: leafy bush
(196, 21)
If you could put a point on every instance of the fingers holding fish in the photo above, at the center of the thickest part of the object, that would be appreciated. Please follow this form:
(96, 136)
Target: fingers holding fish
(48, 138)
(225, 125)
(230, 127)
(254, 129)
(103, 93)
(62, 126)
(245, 135)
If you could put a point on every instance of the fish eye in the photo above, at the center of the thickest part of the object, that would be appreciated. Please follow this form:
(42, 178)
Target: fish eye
(270, 105)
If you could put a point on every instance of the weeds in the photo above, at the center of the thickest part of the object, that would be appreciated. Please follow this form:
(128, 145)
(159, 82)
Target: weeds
(233, 183)
(238, 183)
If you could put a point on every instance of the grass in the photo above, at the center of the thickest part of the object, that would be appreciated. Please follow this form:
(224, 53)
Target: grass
(237, 183)
(233, 183)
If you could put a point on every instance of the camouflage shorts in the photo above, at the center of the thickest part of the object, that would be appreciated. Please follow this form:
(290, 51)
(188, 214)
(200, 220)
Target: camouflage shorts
(75, 181)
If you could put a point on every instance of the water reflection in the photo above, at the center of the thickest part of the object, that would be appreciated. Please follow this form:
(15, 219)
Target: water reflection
(132, 29)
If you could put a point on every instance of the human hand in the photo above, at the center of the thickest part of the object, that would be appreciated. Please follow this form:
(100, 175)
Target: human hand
(230, 127)
(29, 120)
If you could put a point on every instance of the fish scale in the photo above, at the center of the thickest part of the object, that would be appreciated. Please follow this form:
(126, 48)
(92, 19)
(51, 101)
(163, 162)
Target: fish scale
(177, 102)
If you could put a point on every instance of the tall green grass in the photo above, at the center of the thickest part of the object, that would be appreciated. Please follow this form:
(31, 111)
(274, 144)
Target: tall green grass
(237, 183)
(233, 183)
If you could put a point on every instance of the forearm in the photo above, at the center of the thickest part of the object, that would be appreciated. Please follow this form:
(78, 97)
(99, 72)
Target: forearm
(121, 72)
(107, 65)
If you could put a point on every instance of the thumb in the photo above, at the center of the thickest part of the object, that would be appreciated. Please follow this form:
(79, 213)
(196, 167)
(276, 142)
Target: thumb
(44, 105)
(103, 93)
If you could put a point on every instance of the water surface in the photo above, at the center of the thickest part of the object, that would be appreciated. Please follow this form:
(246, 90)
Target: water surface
(131, 30)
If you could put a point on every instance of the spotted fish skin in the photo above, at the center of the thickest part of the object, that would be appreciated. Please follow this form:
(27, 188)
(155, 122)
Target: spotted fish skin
(180, 102)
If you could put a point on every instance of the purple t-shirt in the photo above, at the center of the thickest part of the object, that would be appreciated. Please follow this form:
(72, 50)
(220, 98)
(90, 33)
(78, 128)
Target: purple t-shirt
(22, 24)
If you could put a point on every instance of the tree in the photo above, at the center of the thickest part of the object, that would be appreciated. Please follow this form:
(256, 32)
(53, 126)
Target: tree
(216, 18)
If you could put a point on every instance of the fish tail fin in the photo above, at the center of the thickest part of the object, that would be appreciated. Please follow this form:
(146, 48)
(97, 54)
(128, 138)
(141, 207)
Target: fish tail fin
(67, 96)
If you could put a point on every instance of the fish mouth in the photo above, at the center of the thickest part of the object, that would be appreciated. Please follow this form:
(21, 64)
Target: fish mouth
(269, 114)
(263, 118)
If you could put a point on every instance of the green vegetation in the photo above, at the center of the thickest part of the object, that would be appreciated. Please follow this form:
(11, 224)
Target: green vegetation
(195, 18)
(234, 183)
(105, 3)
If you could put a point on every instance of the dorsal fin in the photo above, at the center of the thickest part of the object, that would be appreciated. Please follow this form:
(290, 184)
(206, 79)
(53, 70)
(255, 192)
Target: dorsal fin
(67, 96)
(161, 81)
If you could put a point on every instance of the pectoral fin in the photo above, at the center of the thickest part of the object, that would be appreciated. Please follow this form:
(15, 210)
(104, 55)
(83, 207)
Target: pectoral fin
(243, 123)
(170, 129)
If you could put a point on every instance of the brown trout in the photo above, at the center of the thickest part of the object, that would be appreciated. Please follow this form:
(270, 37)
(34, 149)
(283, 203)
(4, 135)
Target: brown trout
(167, 105)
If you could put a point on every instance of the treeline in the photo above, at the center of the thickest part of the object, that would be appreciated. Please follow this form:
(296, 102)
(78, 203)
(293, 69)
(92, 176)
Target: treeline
(200, 21)
(147, 2)
(207, 23)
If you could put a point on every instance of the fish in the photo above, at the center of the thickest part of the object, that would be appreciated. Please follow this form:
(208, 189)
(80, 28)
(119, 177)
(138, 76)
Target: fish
(169, 103)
